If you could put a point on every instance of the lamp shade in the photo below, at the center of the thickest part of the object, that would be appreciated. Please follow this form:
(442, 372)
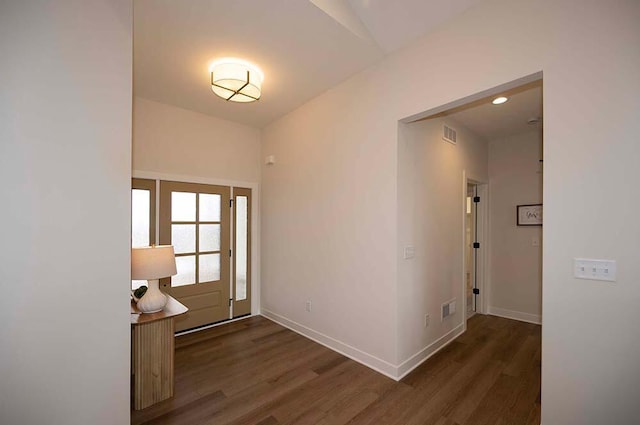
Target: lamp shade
(153, 262)
(236, 80)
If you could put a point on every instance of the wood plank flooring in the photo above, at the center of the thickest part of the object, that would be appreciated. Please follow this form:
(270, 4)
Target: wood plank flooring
(257, 372)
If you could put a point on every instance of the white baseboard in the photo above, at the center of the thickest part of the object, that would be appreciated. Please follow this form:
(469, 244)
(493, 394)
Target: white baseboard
(515, 315)
(395, 372)
(353, 353)
(421, 356)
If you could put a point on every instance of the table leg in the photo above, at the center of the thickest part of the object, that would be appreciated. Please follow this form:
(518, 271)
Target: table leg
(153, 357)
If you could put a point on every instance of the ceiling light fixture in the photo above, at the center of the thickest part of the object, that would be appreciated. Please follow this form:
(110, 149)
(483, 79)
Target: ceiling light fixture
(499, 100)
(236, 80)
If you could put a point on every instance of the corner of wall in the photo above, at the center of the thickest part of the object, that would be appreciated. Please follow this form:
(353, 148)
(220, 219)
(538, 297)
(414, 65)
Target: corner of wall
(404, 368)
(347, 350)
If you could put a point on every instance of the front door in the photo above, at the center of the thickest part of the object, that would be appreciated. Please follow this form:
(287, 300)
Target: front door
(195, 219)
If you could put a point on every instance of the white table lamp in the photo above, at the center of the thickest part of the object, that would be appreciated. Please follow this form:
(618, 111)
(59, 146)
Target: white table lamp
(152, 263)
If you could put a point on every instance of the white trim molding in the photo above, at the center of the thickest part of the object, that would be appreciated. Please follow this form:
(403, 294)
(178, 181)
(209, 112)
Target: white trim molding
(516, 315)
(353, 353)
(421, 356)
(153, 175)
(395, 372)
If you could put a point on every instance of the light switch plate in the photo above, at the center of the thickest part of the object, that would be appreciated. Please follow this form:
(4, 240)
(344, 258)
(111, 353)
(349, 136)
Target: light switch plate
(409, 252)
(587, 268)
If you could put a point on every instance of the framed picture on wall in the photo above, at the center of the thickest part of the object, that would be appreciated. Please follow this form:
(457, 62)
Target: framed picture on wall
(529, 215)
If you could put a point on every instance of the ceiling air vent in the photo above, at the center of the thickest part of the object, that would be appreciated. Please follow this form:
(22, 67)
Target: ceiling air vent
(449, 134)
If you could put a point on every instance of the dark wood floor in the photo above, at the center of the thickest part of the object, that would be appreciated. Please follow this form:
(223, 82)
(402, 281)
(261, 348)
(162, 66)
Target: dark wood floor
(256, 372)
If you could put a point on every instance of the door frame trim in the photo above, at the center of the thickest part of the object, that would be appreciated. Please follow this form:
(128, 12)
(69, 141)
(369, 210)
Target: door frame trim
(255, 219)
(483, 236)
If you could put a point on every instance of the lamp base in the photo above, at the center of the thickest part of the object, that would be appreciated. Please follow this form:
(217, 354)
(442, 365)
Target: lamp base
(153, 300)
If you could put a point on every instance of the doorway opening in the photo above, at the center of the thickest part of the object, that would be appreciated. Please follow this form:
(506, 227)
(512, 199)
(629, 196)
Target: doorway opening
(209, 227)
(501, 257)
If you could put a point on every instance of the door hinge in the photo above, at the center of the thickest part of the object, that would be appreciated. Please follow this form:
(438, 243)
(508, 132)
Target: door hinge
(229, 253)
(230, 203)
(476, 244)
(230, 300)
(476, 199)
(476, 291)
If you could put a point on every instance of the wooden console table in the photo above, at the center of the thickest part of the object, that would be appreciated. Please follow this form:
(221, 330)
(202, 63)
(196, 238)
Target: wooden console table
(153, 348)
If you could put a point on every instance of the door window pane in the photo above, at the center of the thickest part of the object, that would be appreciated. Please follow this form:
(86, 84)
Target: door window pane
(183, 206)
(209, 267)
(209, 207)
(209, 237)
(186, 267)
(143, 216)
(241, 248)
(183, 238)
(140, 216)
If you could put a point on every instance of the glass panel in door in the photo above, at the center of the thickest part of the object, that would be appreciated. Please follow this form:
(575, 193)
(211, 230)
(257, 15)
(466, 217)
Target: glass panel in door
(143, 217)
(242, 250)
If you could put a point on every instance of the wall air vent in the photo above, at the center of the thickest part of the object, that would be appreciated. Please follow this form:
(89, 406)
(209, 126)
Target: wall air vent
(448, 309)
(449, 134)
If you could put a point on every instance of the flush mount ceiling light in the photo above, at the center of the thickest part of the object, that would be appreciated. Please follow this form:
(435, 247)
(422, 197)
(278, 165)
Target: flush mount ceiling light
(499, 100)
(236, 80)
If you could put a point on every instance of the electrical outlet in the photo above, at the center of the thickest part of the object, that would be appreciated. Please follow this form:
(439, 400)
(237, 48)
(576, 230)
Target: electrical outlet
(307, 306)
(427, 319)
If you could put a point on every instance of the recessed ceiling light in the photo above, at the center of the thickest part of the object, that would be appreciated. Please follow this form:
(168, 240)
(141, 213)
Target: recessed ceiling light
(499, 100)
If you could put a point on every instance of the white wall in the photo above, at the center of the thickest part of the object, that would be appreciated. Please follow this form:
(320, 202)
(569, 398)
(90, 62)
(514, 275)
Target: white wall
(330, 205)
(172, 140)
(590, 368)
(431, 207)
(328, 219)
(515, 178)
(65, 161)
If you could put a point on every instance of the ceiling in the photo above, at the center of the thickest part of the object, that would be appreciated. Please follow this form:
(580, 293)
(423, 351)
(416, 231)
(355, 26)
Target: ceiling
(303, 47)
(493, 122)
